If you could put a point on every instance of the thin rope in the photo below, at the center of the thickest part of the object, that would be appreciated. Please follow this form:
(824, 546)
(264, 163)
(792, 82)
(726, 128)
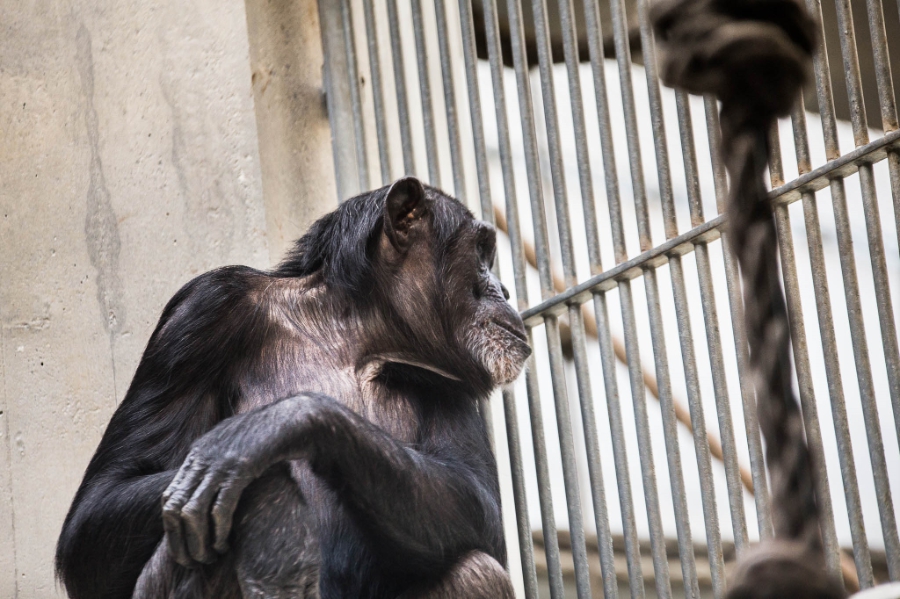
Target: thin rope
(754, 56)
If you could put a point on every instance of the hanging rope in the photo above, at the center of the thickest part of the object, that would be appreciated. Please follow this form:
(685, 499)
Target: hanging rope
(754, 55)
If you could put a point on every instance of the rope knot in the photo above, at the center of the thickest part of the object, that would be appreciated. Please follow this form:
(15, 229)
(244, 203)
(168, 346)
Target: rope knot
(751, 54)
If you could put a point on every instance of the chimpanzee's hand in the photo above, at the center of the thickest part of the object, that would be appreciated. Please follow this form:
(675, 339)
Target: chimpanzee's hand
(199, 504)
(208, 485)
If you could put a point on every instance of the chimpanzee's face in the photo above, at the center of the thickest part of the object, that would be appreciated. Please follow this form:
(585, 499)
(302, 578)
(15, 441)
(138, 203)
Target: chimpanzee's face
(488, 327)
(443, 289)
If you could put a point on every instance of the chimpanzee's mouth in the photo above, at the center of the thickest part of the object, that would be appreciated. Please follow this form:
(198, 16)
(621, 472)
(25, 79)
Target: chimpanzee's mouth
(512, 330)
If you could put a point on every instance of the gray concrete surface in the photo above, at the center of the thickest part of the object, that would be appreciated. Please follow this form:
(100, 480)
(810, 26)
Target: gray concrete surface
(286, 58)
(130, 162)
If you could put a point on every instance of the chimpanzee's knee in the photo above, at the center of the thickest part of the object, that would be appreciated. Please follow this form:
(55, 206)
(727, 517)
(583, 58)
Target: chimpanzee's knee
(273, 554)
(276, 554)
(475, 576)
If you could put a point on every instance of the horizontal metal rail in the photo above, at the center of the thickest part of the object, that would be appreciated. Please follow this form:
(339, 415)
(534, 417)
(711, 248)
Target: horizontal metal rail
(813, 181)
(839, 168)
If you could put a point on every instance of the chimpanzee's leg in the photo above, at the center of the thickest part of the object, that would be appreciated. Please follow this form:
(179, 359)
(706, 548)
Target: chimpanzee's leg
(274, 553)
(163, 578)
(475, 576)
(275, 548)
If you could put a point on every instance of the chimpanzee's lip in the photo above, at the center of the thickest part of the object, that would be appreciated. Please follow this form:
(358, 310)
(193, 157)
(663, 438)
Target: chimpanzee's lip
(509, 328)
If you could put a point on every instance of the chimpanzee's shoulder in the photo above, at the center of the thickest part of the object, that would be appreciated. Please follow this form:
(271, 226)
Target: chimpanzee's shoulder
(225, 288)
(233, 281)
(210, 313)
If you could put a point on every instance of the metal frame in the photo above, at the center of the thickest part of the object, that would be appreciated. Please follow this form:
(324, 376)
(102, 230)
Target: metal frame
(573, 299)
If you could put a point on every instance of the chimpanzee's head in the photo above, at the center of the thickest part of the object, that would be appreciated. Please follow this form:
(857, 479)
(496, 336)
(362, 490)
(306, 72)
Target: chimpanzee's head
(437, 260)
(416, 262)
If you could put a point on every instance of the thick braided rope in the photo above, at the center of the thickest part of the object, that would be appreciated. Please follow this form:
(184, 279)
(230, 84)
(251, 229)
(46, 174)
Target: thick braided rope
(754, 55)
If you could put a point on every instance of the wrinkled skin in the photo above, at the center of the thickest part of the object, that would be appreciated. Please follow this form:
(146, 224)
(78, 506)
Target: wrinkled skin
(313, 431)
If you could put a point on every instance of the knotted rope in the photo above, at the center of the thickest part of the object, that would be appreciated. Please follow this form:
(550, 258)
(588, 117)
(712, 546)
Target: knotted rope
(754, 56)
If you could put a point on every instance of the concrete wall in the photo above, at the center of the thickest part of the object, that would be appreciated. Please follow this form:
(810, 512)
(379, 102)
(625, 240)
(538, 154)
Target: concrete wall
(130, 163)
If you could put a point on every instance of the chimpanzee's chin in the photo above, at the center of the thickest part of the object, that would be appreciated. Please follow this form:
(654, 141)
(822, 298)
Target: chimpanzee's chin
(506, 364)
(504, 374)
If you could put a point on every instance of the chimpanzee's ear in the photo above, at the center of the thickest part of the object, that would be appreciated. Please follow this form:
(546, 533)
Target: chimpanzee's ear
(403, 207)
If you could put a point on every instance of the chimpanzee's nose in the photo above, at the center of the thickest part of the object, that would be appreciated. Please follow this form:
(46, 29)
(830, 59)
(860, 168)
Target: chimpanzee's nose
(505, 291)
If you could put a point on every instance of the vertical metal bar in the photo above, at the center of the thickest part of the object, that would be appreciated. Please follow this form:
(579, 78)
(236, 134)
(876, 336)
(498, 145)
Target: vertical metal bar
(459, 178)
(523, 525)
(889, 343)
(893, 158)
(870, 210)
(832, 365)
(833, 374)
(651, 498)
(526, 110)
(582, 370)
(545, 497)
(560, 394)
(720, 392)
(337, 80)
(736, 306)
(409, 164)
(467, 32)
(801, 362)
(805, 385)
(377, 92)
(620, 454)
(601, 315)
(431, 152)
(570, 53)
(670, 428)
(888, 114)
(670, 434)
(359, 128)
(882, 289)
(545, 66)
(714, 342)
(863, 370)
(836, 393)
(623, 59)
(467, 26)
(607, 149)
(883, 301)
(882, 65)
(567, 449)
(592, 447)
(851, 68)
(492, 35)
(695, 402)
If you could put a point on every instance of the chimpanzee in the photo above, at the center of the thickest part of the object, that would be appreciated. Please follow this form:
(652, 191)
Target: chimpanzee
(313, 431)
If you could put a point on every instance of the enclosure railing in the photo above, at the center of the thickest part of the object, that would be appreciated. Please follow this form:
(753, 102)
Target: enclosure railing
(413, 86)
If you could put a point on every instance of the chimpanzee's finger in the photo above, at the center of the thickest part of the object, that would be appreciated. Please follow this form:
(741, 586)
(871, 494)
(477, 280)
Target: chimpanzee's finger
(223, 511)
(195, 517)
(174, 498)
(187, 469)
(175, 535)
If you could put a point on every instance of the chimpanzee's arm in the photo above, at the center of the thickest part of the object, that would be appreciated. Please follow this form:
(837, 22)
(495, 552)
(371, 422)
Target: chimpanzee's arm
(425, 509)
(180, 391)
(109, 534)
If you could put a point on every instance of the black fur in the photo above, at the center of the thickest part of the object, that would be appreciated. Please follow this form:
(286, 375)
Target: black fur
(358, 362)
